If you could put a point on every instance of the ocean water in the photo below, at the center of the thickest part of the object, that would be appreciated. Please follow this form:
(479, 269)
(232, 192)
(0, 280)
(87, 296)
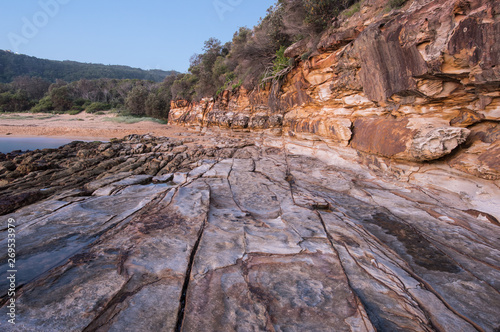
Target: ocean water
(9, 144)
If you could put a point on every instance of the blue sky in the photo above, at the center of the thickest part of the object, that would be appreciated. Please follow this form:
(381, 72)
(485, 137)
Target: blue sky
(149, 34)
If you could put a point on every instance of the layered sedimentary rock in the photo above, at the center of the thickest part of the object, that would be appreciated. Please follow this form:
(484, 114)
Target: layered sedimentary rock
(246, 233)
(409, 84)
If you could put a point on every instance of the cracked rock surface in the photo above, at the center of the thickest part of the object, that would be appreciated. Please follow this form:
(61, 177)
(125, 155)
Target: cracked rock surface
(208, 233)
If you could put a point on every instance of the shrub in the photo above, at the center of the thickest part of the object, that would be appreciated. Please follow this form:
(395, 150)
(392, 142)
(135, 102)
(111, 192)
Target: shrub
(353, 9)
(306, 56)
(61, 98)
(229, 82)
(128, 119)
(14, 102)
(317, 14)
(74, 111)
(183, 87)
(80, 102)
(136, 101)
(396, 3)
(44, 105)
(158, 103)
(281, 66)
(96, 107)
(209, 68)
(236, 85)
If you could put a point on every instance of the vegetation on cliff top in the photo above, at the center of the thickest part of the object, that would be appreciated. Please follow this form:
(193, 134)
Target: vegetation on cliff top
(256, 54)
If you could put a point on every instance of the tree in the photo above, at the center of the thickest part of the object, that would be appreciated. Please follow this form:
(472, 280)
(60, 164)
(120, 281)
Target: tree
(202, 67)
(61, 98)
(14, 102)
(183, 87)
(319, 13)
(34, 87)
(158, 103)
(136, 100)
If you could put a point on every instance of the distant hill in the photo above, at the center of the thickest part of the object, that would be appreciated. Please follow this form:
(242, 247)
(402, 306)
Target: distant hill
(13, 65)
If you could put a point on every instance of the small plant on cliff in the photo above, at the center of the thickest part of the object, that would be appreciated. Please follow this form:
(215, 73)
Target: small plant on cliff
(305, 56)
(281, 67)
(236, 85)
(396, 3)
(229, 78)
(319, 13)
(353, 9)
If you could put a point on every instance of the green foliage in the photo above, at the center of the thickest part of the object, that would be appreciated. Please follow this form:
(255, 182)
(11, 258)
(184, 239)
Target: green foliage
(33, 87)
(258, 53)
(353, 9)
(184, 87)
(61, 98)
(309, 18)
(236, 85)
(305, 56)
(137, 97)
(75, 110)
(96, 107)
(136, 101)
(14, 102)
(158, 103)
(81, 102)
(273, 25)
(230, 79)
(281, 66)
(396, 3)
(133, 119)
(44, 105)
(320, 12)
(281, 61)
(209, 68)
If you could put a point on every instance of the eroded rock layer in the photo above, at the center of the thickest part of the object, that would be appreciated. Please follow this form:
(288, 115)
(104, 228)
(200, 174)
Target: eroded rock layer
(248, 233)
(415, 84)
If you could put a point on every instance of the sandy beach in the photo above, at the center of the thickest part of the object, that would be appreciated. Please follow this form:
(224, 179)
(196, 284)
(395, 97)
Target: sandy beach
(81, 126)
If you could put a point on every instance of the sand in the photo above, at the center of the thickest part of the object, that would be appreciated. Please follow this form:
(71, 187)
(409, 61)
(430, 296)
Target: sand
(81, 126)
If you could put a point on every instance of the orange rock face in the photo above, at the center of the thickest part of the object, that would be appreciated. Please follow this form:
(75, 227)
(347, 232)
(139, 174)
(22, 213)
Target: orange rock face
(409, 85)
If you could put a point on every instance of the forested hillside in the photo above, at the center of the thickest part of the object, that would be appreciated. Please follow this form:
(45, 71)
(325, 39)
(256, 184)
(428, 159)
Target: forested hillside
(14, 65)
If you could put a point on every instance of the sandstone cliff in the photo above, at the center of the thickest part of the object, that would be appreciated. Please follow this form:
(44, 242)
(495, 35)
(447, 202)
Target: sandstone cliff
(416, 84)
